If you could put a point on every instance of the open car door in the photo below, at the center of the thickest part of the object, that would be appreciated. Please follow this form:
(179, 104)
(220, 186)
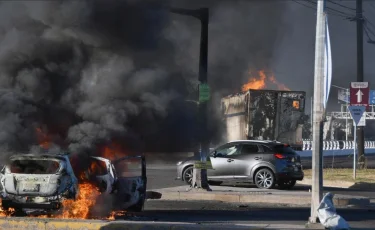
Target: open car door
(130, 186)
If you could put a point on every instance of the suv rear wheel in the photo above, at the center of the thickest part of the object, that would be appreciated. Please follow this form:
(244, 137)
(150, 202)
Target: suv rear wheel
(264, 178)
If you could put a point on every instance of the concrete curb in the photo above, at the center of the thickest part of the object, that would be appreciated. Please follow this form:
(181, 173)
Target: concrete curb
(341, 184)
(19, 223)
(329, 183)
(297, 199)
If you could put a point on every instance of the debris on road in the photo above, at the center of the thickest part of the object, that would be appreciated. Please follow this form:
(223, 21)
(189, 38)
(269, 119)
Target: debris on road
(328, 216)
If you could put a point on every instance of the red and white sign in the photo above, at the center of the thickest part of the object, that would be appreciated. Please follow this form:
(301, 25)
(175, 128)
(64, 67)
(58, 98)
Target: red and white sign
(359, 93)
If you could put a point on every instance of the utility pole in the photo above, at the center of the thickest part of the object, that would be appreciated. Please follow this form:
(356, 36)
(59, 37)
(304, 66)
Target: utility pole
(317, 147)
(359, 130)
(200, 175)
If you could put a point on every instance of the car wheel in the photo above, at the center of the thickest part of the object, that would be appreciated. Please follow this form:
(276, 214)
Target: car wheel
(264, 178)
(188, 175)
(288, 184)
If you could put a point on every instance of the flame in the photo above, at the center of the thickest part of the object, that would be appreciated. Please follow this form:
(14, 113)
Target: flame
(8, 212)
(43, 139)
(255, 83)
(280, 86)
(80, 208)
(113, 151)
(260, 82)
(115, 214)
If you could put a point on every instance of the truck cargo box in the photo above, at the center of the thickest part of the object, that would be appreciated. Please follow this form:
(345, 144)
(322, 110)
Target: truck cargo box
(264, 115)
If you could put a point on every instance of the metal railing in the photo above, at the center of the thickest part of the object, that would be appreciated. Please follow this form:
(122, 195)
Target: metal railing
(346, 115)
(337, 145)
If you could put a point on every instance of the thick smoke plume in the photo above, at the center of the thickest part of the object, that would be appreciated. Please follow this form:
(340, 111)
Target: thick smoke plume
(80, 71)
(87, 73)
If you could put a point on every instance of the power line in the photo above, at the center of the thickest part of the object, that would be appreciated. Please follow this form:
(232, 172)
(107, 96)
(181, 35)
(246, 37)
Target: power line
(368, 21)
(340, 14)
(341, 5)
(368, 29)
(299, 2)
(331, 10)
(368, 36)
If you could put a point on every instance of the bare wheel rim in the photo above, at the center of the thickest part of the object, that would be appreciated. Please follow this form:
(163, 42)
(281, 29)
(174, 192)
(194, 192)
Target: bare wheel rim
(264, 179)
(189, 175)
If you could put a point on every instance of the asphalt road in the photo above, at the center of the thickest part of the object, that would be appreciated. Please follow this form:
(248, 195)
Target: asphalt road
(216, 212)
(164, 177)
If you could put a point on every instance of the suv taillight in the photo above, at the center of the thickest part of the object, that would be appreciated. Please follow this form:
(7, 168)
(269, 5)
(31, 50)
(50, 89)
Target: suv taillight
(279, 156)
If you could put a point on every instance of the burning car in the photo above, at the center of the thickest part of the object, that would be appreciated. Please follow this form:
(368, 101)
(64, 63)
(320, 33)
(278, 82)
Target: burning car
(31, 181)
(42, 182)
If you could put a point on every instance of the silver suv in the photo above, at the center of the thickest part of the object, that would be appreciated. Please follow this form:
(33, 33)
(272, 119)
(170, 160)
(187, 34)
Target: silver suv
(264, 163)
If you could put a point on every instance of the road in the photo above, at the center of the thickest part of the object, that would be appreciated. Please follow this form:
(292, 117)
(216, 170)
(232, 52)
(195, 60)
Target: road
(215, 212)
(165, 177)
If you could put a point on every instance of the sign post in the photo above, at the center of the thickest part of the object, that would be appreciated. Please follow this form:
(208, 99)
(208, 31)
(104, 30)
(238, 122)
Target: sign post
(357, 113)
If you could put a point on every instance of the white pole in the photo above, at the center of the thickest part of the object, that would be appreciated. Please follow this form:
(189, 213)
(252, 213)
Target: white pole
(355, 154)
(317, 161)
(346, 122)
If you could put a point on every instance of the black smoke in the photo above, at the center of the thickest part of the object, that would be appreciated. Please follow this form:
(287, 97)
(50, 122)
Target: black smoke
(90, 72)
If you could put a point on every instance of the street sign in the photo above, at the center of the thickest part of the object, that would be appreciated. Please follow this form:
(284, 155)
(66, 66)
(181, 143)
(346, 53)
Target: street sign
(343, 95)
(204, 92)
(359, 93)
(372, 97)
(357, 113)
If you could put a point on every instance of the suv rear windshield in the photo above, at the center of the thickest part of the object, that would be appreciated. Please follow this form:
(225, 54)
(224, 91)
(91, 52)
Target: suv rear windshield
(34, 166)
(284, 149)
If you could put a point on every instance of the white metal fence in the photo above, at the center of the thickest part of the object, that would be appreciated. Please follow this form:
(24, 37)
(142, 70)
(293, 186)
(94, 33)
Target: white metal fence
(337, 145)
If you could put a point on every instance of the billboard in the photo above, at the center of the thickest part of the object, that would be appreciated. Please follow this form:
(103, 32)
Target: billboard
(343, 96)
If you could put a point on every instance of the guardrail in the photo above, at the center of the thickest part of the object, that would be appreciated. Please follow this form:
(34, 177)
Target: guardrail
(337, 145)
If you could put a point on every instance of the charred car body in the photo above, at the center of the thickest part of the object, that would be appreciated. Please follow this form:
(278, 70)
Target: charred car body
(42, 182)
(31, 181)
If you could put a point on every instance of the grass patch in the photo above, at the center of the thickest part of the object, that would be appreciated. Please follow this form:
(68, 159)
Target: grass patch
(366, 175)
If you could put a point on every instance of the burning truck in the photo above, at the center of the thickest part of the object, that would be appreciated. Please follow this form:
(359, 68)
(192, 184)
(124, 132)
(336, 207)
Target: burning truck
(264, 115)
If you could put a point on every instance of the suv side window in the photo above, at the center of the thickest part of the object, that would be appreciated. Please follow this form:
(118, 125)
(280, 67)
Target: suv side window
(250, 149)
(267, 149)
(228, 150)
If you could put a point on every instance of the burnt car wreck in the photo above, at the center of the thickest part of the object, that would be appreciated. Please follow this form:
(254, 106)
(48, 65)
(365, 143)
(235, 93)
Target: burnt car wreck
(40, 183)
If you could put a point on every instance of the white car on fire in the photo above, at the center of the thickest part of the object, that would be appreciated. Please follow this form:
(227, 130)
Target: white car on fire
(32, 182)
(40, 182)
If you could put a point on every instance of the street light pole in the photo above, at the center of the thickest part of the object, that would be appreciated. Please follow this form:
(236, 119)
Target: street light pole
(202, 14)
(317, 148)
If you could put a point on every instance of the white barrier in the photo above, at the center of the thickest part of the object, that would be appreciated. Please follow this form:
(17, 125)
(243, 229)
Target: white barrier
(336, 145)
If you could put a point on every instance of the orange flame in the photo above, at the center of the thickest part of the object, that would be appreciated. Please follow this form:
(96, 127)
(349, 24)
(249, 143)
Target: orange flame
(113, 151)
(261, 82)
(4, 213)
(80, 208)
(43, 139)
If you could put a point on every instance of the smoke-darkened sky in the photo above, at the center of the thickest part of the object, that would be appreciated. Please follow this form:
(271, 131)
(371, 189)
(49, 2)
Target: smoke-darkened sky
(89, 72)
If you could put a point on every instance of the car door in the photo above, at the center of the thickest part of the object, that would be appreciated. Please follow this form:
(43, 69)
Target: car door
(250, 155)
(222, 161)
(130, 189)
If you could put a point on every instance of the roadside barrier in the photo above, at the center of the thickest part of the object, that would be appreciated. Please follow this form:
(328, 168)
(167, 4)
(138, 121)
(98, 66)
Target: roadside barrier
(336, 145)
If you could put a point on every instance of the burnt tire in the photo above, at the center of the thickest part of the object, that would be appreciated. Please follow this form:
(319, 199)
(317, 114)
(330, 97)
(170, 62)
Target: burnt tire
(187, 175)
(264, 178)
(287, 184)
